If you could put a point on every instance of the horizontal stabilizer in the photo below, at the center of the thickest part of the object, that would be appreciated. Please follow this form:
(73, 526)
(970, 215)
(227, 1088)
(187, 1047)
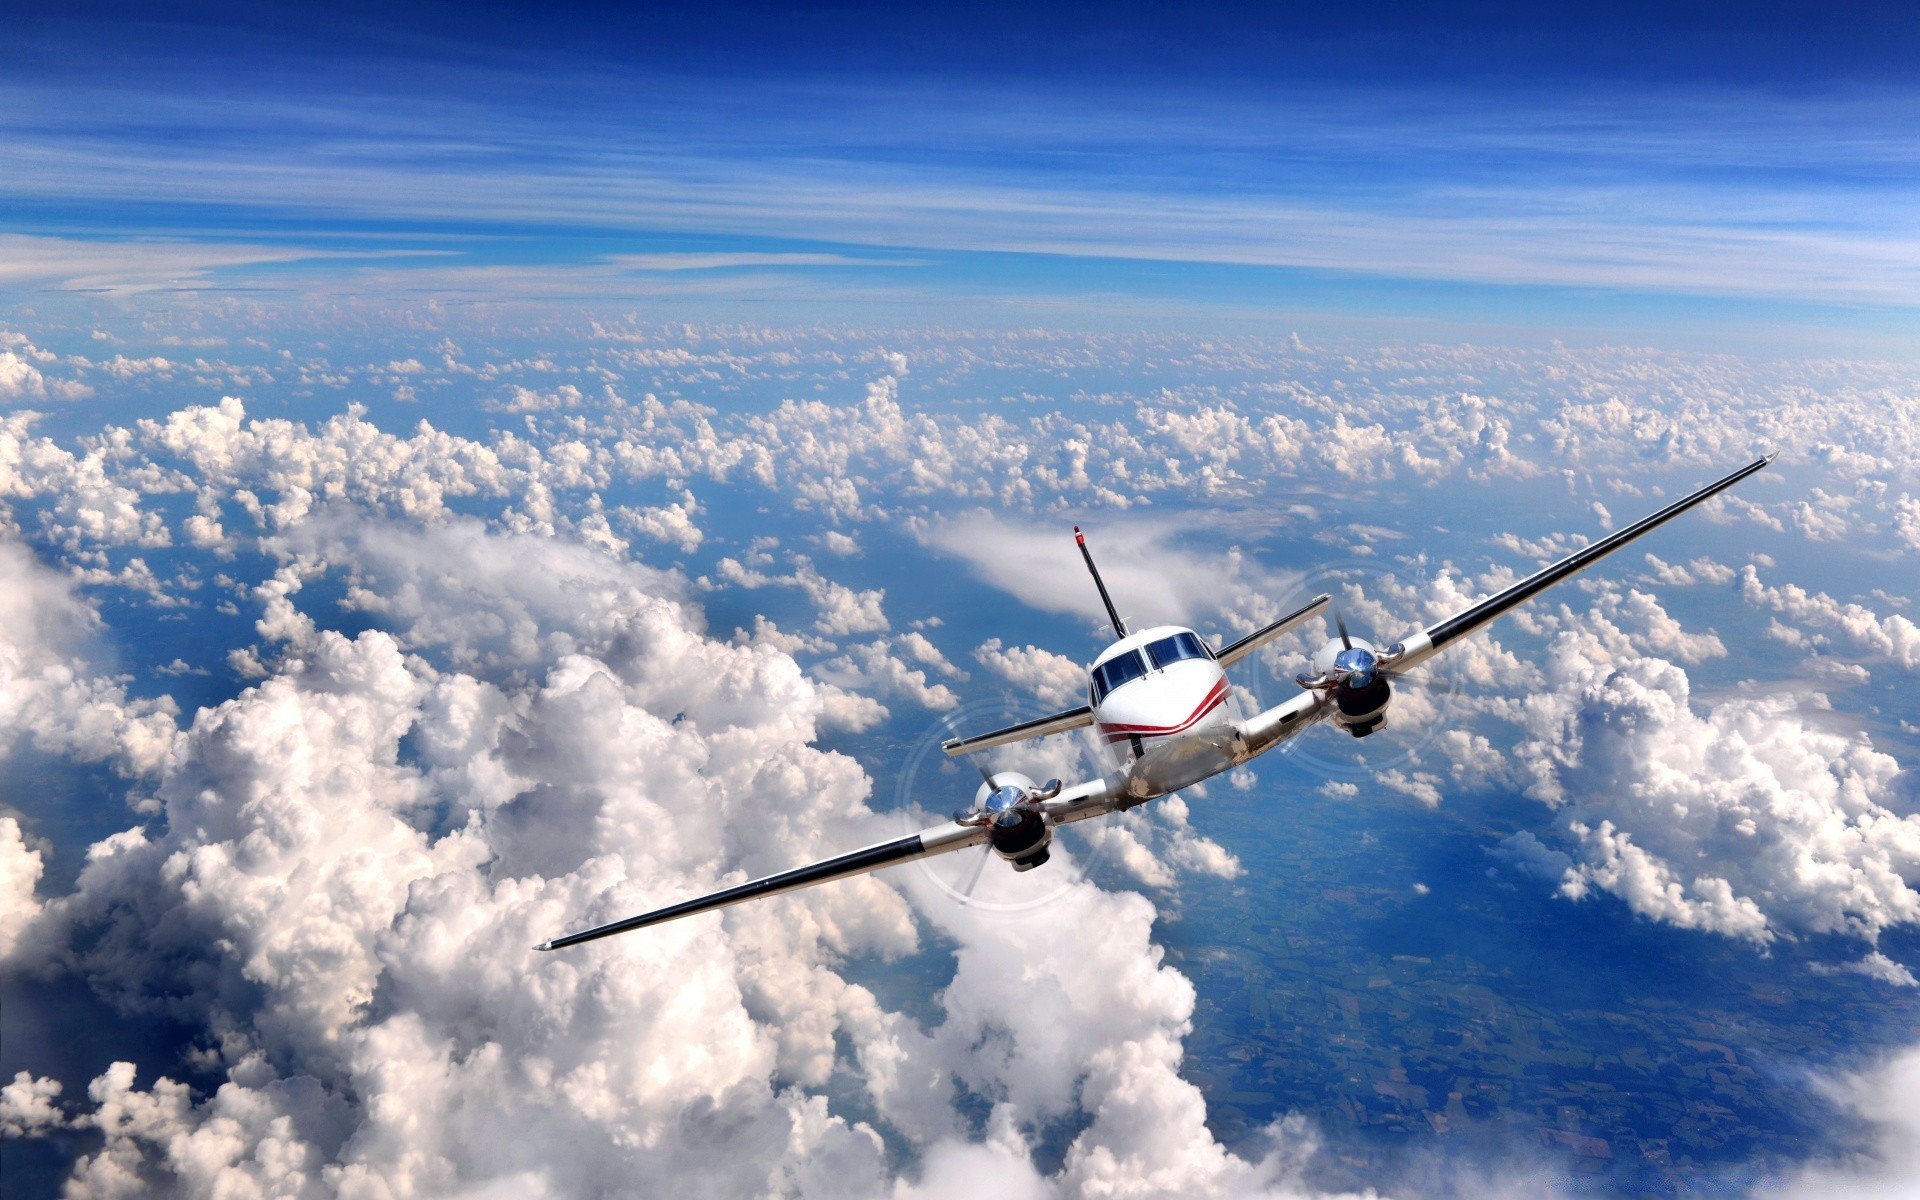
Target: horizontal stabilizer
(1073, 718)
(1260, 637)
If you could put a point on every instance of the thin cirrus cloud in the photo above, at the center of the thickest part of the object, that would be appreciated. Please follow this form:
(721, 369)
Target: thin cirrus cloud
(1702, 192)
(721, 261)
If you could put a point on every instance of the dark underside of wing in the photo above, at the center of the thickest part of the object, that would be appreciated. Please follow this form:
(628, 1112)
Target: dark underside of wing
(859, 862)
(1461, 624)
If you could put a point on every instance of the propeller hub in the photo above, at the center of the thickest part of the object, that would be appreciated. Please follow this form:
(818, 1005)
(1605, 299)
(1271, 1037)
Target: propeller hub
(1358, 664)
(1003, 806)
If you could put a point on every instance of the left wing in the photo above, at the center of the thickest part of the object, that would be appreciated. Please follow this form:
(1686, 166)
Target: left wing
(1435, 638)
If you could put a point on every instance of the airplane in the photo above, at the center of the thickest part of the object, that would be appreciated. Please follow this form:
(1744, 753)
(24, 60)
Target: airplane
(1159, 700)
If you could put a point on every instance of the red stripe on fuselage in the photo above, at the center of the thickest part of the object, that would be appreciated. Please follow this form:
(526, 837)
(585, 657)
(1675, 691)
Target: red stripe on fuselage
(1214, 699)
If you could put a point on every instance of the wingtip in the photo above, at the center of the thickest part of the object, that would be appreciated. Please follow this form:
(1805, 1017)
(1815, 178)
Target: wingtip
(1770, 457)
(546, 945)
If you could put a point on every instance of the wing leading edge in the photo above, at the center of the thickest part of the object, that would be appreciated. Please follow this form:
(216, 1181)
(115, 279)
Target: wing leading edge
(1083, 800)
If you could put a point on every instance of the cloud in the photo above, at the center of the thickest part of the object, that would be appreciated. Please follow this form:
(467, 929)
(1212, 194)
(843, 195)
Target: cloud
(1152, 580)
(841, 610)
(1874, 966)
(875, 668)
(717, 261)
(21, 380)
(83, 504)
(132, 266)
(1052, 679)
(1885, 1100)
(47, 691)
(539, 732)
(358, 852)
(1895, 637)
(1751, 820)
(487, 600)
(20, 869)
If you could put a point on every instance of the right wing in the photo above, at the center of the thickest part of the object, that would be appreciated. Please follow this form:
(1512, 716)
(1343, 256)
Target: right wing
(1090, 799)
(942, 839)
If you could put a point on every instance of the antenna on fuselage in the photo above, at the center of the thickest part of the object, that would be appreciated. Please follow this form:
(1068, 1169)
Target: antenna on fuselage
(1113, 614)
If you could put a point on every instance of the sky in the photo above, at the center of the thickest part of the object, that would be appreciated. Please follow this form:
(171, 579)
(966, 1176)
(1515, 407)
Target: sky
(1665, 174)
(471, 472)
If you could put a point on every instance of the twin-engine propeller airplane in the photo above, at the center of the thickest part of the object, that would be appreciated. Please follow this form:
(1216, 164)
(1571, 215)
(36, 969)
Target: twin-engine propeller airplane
(1160, 701)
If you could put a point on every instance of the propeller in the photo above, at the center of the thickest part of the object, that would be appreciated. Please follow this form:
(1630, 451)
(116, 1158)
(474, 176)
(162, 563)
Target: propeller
(1355, 666)
(1004, 802)
(979, 868)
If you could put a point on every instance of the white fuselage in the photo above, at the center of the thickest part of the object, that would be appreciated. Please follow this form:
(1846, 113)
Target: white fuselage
(1162, 705)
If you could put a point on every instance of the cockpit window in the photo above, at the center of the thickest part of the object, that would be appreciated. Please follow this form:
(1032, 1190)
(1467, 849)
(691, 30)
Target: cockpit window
(1118, 670)
(1170, 650)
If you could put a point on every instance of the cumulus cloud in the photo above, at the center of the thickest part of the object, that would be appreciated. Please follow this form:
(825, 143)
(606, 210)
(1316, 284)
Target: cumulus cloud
(1751, 820)
(21, 380)
(487, 600)
(1052, 679)
(842, 610)
(84, 505)
(539, 733)
(20, 869)
(48, 693)
(1864, 631)
(875, 668)
(348, 923)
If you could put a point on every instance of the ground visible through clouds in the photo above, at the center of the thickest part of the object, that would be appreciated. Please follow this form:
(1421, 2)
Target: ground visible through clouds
(344, 656)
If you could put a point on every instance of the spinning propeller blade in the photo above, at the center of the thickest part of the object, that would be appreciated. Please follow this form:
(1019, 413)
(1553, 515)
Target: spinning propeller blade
(979, 868)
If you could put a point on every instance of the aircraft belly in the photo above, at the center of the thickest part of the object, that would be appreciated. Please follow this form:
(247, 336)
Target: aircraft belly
(1170, 764)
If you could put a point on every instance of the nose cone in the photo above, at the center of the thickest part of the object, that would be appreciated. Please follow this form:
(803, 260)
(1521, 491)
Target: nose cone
(1170, 702)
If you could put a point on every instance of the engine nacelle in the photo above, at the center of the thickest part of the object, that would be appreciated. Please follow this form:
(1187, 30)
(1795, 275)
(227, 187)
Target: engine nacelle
(1019, 835)
(1361, 711)
(1023, 843)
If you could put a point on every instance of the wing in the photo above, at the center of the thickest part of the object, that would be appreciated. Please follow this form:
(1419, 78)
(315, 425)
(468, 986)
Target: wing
(1260, 637)
(942, 839)
(1073, 718)
(1083, 800)
(1435, 638)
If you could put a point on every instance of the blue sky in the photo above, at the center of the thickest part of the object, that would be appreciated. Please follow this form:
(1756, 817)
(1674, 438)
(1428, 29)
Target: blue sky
(1690, 173)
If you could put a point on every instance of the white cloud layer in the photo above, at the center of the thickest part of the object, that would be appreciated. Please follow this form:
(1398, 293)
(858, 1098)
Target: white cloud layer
(349, 927)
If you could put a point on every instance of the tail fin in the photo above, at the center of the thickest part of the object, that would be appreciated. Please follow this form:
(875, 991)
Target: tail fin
(1113, 614)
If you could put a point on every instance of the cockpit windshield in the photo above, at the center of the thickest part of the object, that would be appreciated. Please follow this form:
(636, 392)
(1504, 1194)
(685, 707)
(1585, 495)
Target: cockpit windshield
(1118, 670)
(1170, 650)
